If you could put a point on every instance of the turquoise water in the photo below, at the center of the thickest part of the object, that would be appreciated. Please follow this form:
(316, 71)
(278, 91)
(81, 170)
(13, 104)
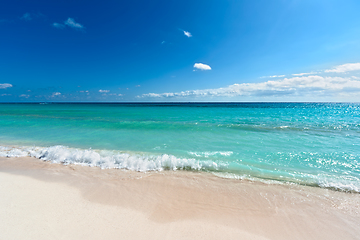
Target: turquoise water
(316, 144)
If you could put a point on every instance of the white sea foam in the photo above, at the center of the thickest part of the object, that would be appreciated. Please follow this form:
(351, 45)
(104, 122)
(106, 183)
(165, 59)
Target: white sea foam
(144, 162)
(347, 185)
(208, 154)
(247, 177)
(12, 152)
(109, 159)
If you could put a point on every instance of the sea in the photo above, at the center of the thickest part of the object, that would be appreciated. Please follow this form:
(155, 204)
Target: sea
(312, 144)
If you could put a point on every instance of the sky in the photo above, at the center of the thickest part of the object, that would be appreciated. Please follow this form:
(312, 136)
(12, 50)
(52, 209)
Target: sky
(180, 51)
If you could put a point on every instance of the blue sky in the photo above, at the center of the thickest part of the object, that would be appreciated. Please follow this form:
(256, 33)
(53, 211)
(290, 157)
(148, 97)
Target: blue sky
(180, 50)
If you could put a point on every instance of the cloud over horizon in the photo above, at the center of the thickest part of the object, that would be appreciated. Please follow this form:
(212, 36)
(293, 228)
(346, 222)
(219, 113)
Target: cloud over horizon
(56, 94)
(277, 76)
(345, 68)
(295, 86)
(104, 91)
(302, 74)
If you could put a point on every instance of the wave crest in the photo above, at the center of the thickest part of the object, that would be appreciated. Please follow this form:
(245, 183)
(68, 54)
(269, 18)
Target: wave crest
(109, 159)
(144, 162)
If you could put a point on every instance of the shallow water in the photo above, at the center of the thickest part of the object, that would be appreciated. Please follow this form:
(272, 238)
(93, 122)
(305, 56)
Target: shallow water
(313, 144)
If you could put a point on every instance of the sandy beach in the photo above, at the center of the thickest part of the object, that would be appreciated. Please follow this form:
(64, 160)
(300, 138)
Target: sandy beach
(40, 200)
(155, 120)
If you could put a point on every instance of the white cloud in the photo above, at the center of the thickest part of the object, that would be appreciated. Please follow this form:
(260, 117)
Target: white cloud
(137, 86)
(114, 94)
(104, 91)
(295, 86)
(26, 17)
(5, 85)
(71, 23)
(345, 68)
(303, 74)
(277, 76)
(56, 94)
(202, 66)
(273, 76)
(24, 95)
(188, 34)
(59, 25)
(5, 94)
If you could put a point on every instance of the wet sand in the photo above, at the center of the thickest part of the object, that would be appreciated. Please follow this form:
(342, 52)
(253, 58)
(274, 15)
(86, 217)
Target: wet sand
(40, 200)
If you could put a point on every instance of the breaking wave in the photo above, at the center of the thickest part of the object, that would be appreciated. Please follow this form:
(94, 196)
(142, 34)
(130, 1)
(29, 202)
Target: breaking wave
(110, 159)
(144, 162)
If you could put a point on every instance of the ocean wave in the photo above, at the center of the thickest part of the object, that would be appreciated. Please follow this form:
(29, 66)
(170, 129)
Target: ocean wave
(144, 162)
(110, 159)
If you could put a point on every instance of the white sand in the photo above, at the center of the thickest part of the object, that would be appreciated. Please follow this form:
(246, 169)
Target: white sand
(33, 209)
(49, 201)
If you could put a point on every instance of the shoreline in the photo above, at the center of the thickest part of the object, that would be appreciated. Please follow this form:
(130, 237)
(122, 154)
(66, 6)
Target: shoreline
(166, 205)
(162, 162)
